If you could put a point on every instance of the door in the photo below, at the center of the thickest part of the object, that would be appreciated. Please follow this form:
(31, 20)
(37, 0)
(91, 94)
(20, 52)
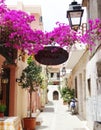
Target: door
(55, 95)
(4, 89)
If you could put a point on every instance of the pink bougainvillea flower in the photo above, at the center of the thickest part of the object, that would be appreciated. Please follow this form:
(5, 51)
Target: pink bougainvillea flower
(16, 33)
(93, 33)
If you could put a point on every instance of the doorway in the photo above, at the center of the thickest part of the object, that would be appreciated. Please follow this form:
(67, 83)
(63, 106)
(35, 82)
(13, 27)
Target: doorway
(55, 95)
(4, 89)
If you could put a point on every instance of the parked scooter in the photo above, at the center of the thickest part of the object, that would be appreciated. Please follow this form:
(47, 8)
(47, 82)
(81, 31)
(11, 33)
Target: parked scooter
(73, 106)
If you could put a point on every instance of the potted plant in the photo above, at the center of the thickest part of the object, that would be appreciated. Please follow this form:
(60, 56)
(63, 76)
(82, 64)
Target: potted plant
(67, 94)
(2, 109)
(30, 80)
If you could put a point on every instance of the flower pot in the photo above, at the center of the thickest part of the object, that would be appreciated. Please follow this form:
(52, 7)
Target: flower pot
(2, 109)
(42, 108)
(65, 102)
(1, 114)
(29, 123)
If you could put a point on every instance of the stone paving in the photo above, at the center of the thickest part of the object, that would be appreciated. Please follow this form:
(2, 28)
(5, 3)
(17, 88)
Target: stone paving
(56, 116)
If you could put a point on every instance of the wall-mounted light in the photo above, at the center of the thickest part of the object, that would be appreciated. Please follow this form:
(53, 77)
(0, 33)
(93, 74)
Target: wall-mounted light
(18, 80)
(63, 71)
(4, 80)
(74, 15)
(4, 76)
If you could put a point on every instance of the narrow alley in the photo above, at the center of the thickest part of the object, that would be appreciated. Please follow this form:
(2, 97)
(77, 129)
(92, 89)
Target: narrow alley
(56, 116)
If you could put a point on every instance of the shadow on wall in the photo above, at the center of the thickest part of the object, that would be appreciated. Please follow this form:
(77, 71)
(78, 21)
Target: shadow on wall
(97, 125)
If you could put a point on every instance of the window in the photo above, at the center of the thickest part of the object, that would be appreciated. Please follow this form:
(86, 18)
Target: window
(40, 19)
(98, 65)
(76, 87)
(89, 86)
(58, 75)
(52, 74)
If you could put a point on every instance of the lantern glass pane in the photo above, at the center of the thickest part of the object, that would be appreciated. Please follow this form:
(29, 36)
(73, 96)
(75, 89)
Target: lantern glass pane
(75, 21)
(75, 14)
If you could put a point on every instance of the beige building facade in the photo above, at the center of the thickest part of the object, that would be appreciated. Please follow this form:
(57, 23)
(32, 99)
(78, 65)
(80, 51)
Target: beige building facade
(78, 77)
(86, 76)
(18, 102)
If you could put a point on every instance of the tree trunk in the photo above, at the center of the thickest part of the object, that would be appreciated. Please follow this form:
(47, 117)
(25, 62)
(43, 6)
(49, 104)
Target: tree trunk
(30, 103)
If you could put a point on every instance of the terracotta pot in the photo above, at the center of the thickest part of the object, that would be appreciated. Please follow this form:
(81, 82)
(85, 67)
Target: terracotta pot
(65, 103)
(1, 114)
(29, 123)
(42, 108)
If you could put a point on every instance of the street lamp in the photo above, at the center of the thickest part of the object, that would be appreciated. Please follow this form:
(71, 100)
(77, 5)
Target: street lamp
(74, 15)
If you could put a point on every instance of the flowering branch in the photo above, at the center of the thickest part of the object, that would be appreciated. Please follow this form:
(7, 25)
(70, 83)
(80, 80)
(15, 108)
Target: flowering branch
(63, 35)
(15, 30)
(16, 33)
(93, 33)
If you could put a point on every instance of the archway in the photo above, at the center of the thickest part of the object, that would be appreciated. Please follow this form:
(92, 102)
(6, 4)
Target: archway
(55, 95)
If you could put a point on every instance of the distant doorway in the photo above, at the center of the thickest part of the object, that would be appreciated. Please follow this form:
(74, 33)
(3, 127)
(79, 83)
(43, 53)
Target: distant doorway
(55, 95)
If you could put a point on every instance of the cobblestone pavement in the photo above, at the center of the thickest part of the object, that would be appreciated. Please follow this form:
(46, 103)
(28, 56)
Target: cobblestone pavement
(57, 117)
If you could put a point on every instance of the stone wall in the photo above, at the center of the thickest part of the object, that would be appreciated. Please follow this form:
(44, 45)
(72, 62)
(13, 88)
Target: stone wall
(79, 73)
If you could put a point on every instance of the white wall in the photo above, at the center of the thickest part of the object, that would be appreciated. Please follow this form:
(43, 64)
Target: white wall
(51, 89)
(93, 100)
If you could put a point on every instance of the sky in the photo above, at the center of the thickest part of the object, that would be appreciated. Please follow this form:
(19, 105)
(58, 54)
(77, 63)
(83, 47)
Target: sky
(52, 11)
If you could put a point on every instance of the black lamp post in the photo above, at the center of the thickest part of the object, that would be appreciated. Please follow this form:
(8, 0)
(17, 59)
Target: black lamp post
(74, 15)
